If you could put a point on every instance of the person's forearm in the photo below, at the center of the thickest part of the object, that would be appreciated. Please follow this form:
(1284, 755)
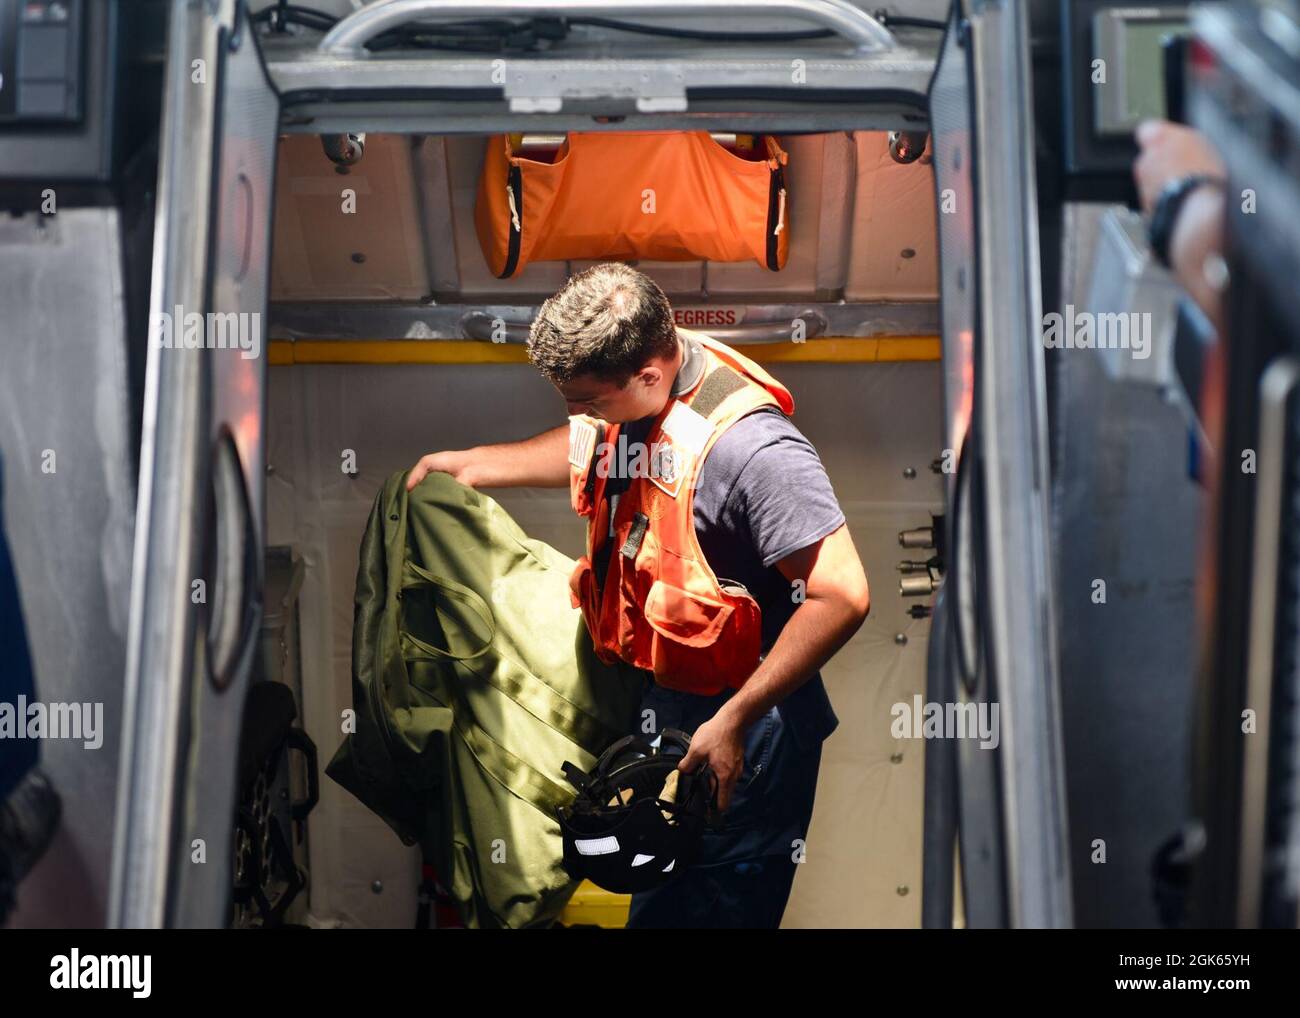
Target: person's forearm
(1197, 241)
(541, 461)
(812, 636)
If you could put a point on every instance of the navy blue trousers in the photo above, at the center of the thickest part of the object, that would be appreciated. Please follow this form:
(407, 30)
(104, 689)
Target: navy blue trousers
(745, 870)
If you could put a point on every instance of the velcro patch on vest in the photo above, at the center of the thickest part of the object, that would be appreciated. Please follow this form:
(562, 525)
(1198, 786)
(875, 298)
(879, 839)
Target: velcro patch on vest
(687, 428)
(582, 441)
(682, 438)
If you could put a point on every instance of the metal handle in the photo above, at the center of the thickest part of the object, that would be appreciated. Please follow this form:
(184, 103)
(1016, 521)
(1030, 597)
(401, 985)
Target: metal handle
(1277, 387)
(234, 598)
(349, 36)
(779, 330)
(493, 328)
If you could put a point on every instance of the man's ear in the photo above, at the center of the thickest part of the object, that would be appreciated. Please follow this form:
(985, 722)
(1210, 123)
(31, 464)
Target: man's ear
(650, 375)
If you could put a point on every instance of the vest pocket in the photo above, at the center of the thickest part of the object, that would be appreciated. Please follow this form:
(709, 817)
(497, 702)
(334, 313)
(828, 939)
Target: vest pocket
(580, 582)
(683, 616)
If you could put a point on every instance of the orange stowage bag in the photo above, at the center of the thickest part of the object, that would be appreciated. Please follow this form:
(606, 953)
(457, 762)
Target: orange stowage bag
(658, 195)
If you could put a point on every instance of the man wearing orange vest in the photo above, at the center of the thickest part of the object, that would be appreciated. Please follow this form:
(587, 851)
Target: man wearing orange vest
(717, 559)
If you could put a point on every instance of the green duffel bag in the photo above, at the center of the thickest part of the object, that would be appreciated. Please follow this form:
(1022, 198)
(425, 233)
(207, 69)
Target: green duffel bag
(473, 680)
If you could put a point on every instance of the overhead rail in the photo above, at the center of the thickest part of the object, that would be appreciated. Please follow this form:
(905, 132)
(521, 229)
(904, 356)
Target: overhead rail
(349, 37)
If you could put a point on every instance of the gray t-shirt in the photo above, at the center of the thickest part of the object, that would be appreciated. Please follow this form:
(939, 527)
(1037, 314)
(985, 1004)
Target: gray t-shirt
(762, 494)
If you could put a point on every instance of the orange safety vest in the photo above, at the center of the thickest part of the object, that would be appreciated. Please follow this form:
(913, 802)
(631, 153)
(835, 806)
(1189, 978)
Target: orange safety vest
(660, 606)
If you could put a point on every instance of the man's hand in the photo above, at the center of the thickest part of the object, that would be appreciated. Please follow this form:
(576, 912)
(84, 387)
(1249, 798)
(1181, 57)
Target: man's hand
(455, 462)
(541, 461)
(1170, 151)
(720, 743)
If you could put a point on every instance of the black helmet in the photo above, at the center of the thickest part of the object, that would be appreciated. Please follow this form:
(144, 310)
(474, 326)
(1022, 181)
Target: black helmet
(637, 821)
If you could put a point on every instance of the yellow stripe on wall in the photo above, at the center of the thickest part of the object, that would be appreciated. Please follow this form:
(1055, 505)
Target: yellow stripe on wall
(831, 350)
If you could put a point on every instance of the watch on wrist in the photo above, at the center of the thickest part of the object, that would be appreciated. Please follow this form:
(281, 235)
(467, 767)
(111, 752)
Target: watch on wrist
(1160, 230)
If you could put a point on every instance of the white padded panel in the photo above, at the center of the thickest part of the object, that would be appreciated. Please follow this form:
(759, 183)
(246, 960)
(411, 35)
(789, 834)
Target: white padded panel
(894, 212)
(315, 241)
(681, 281)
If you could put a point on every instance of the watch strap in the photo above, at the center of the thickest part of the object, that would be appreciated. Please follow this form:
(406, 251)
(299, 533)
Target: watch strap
(1160, 230)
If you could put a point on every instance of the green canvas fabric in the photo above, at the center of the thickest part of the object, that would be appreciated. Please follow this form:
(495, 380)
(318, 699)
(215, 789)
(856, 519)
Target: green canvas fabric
(473, 680)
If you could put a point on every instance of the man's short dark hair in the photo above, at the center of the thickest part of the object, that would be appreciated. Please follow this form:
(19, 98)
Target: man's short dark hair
(607, 321)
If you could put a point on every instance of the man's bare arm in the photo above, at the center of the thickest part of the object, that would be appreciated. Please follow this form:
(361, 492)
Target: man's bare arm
(836, 602)
(1170, 151)
(541, 461)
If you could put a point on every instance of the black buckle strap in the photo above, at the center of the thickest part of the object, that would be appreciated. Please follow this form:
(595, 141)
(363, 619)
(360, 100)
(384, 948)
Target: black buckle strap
(640, 523)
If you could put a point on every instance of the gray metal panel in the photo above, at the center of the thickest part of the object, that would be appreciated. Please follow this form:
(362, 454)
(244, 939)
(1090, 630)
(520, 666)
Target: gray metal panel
(1269, 673)
(1021, 785)
(773, 116)
(181, 736)
(247, 131)
(63, 388)
(975, 796)
(916, 8)
(1124, 511)
(950, 123)
(456, 321)
(850, 23)
(644, 79)
(160, 650)
(1020, 610)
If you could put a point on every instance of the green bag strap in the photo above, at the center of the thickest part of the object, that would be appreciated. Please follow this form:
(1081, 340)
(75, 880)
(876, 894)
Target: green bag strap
(517, 775)
(537, 697)
(424, 578)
